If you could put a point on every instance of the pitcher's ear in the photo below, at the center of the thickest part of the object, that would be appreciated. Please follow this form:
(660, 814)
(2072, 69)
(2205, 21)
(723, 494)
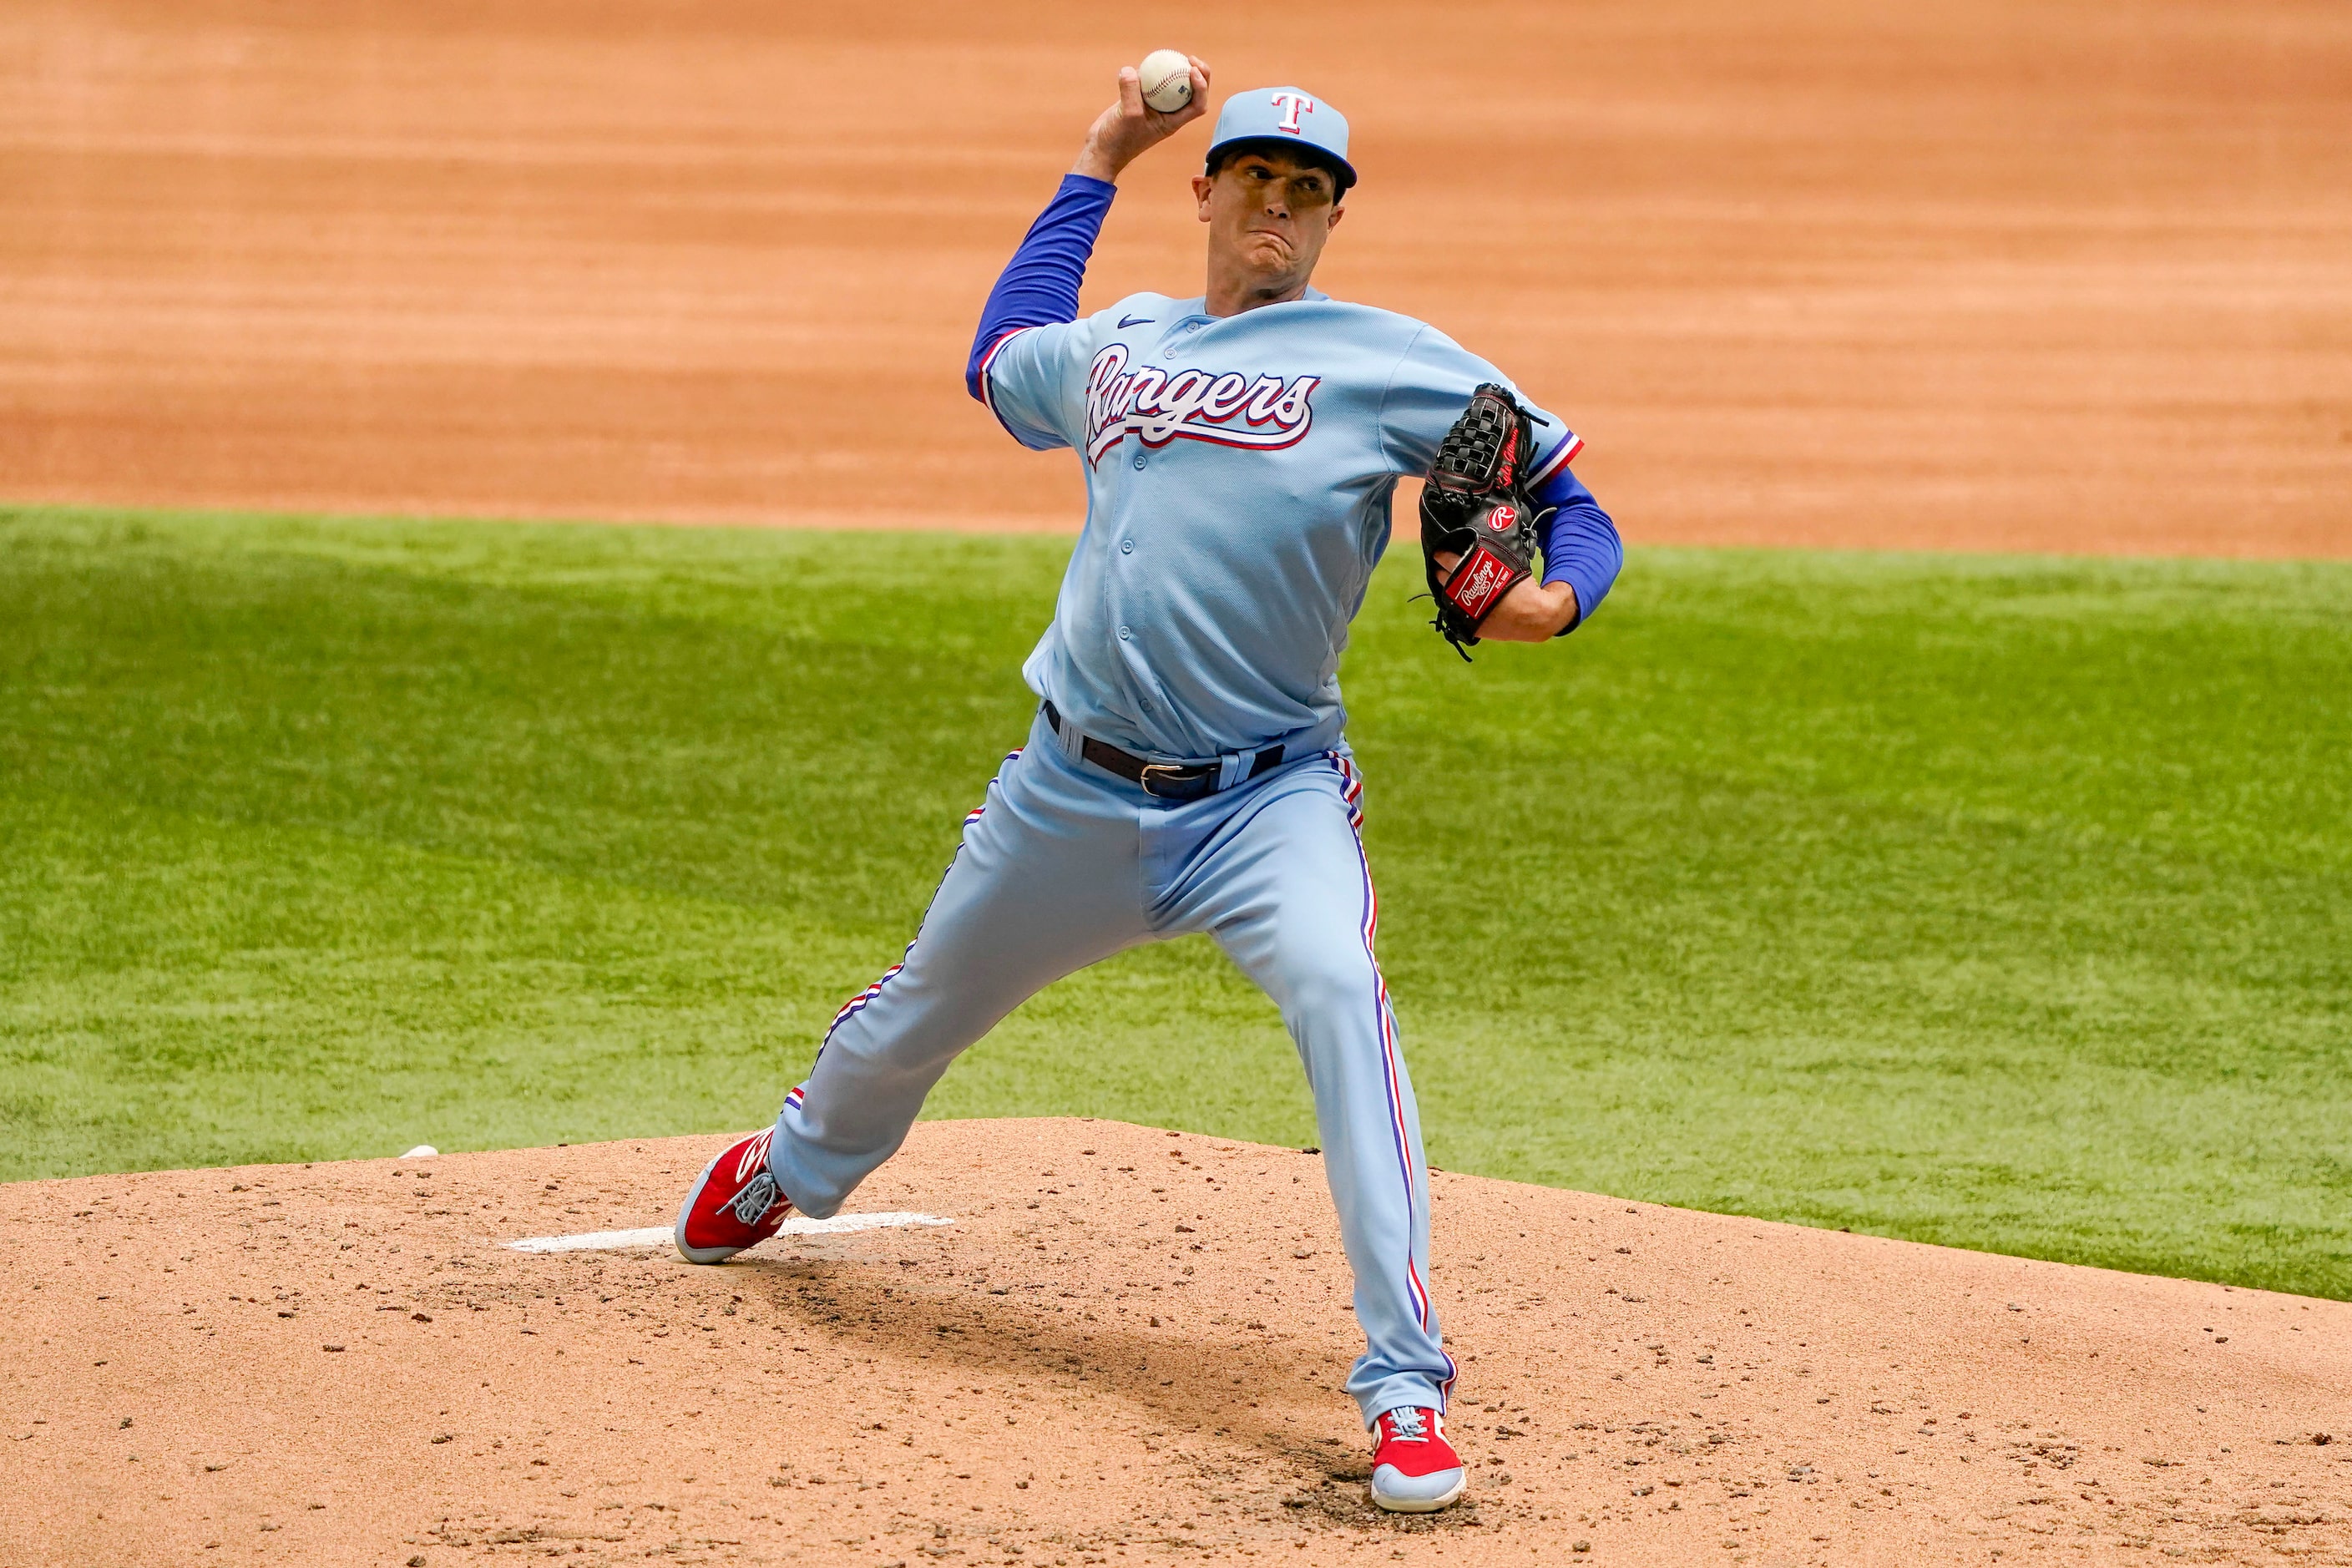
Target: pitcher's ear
(1201, 186)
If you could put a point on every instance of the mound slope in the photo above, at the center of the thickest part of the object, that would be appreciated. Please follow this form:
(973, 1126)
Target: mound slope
(1126, 1349)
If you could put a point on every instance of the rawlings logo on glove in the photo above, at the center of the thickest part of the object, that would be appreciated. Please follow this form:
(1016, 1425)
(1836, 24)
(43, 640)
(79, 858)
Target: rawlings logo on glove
(1476, 507)
(1482, 578)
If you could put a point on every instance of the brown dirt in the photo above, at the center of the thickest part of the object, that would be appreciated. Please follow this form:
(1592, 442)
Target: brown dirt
(1127, 1350)
(1989, 273)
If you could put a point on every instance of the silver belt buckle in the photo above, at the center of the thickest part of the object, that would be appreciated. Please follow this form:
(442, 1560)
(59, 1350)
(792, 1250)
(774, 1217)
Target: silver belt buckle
(1166, 770)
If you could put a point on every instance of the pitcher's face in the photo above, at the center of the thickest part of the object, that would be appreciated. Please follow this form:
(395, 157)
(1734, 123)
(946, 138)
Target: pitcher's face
(1268, 213)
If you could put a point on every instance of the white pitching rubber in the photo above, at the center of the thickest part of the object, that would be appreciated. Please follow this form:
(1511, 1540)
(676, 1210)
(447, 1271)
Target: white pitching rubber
(664, 1236)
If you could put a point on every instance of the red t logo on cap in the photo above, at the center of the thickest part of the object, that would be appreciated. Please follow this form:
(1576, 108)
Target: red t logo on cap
(1295, 104)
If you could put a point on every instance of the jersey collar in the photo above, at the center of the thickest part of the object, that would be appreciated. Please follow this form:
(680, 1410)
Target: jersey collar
(1198, 305)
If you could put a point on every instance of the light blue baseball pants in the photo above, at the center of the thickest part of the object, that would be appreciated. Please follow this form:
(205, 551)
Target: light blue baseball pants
(1066, 864)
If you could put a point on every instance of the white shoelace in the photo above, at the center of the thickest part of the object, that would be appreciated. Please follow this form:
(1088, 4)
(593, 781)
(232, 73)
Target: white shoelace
(1405, 1426)
(758, 1196)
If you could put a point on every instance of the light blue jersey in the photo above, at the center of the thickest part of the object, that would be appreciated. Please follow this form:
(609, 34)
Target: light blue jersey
(1239, 473)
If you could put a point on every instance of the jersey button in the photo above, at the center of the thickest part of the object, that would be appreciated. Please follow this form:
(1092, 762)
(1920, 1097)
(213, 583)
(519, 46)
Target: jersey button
(1139, 459)
(1126, 547)
(1123, 634)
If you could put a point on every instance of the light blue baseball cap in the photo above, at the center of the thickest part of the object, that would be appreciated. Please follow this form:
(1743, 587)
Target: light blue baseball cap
(1283, 114)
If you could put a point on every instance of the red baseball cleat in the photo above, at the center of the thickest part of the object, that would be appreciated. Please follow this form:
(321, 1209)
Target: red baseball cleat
(734, 1204)
(1414, 1470)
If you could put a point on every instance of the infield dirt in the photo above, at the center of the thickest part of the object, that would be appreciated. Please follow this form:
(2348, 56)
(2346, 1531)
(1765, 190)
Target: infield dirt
(1127, 1348)
(1988, 274)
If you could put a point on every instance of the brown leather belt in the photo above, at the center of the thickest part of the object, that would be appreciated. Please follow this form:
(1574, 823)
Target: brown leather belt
(1163, 781)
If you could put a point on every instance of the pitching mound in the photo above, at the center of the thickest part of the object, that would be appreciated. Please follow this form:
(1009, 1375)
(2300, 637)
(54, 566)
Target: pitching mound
(1127, 1347)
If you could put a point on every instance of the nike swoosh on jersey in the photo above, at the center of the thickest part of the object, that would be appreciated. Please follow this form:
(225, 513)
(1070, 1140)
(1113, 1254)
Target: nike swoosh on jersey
(1125, 321)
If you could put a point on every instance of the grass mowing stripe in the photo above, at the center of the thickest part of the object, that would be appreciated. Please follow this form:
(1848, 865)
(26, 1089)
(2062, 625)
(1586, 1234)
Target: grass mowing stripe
(1993, 901)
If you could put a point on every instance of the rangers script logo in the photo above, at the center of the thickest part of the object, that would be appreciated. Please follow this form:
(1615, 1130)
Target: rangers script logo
(1230, 410)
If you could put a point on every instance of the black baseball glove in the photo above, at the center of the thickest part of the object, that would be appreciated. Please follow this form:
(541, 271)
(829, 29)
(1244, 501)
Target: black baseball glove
(1476, 506)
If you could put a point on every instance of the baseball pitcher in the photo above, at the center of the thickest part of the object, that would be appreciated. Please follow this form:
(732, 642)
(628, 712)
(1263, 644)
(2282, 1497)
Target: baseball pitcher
(1188, 769)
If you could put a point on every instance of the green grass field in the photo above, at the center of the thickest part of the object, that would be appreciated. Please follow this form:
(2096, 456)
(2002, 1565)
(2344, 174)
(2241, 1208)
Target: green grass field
(2000, 902)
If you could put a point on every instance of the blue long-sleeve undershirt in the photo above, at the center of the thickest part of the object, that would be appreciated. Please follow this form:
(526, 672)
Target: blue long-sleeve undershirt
(1039, 287)
(1580, 545)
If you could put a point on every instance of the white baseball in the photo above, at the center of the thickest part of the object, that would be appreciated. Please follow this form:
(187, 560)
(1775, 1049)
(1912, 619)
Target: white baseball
(1166, 78)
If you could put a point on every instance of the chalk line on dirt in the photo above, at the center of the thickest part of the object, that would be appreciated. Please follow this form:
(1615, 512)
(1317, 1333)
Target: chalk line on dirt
(662, 1235)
